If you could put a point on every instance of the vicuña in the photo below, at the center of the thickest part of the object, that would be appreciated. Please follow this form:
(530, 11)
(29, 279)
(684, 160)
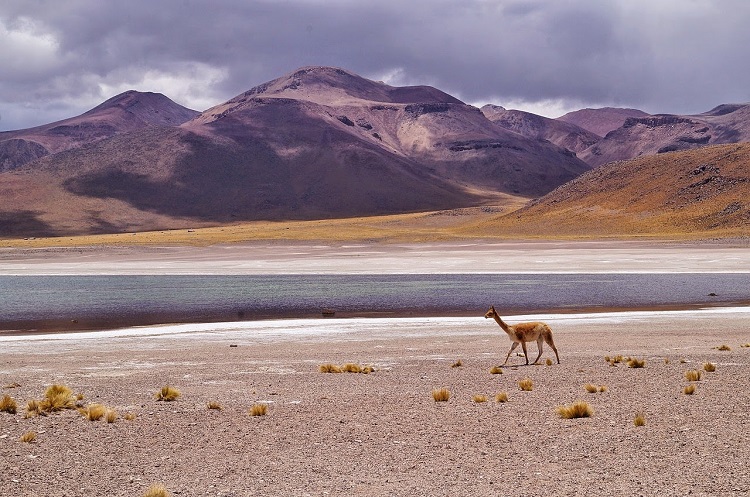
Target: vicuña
(525, 332)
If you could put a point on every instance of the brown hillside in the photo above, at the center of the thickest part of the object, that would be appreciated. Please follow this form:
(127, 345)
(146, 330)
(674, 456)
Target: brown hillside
(319, 143)
(561, 133)
(600, 121)
(700, 192)
(126, 112)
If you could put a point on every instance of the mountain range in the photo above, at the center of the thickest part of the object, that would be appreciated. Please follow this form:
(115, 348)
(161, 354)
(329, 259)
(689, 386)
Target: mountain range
(317, 143)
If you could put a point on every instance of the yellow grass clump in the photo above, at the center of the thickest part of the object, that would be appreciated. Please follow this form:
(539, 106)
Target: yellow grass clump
(441, 394)
(33, 407)
(111, 416)
(457, 364)
(709, 367)
(666, 360)
(496, 370)
(351, 368)
(591, 388)
(94, 412)
(640, 420)
(329, 368)
(214, 405)
(548, 362)
(130, 416)
(578, 409)
(635, 363)
(156, 490)
(501, 397)
(693, 375)
(167, 394)
(479, 398)
(57, 398)
(27, 437)
(259, 410)
(747, 345)
(603, 388)
(689, 390)
(724, 348)
(526, 385)
(8, 404)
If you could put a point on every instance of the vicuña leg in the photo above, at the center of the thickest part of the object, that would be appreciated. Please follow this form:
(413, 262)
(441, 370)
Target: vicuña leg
(551, 343)
(512, 348)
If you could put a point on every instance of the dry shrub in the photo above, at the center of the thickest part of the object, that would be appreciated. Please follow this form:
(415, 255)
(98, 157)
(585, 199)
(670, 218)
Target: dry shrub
(94, 412)
(496, 370)
(635, 363)
(329, 368)
(33, 408)
(743, 345)
(27, 437)
(526, 385)
(214, 405)
(457, 364)
(57, 398)
(548, 362)
(501, 397)
(441, 394)
(591, 388)
(479, 398)
(617, 359)
(640, 420)
(351, 368)
(689, 390)
(603, 388)
(693, 375)
(724, 348)
(156, 490)
(579, 409)
(130, 416)
(683, 360)
(111, 416)
(709, 367)
(167, 394)
(666, 360)
(367, 370)
(259, 410)
(7, 404)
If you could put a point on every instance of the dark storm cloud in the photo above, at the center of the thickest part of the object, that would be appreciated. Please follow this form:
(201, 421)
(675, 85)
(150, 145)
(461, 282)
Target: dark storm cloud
(59, 59)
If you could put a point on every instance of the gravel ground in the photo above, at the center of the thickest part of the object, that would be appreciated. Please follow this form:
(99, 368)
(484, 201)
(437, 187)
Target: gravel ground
(382, 433)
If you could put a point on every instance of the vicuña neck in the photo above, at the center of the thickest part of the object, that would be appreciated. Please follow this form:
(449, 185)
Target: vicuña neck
(501, 323)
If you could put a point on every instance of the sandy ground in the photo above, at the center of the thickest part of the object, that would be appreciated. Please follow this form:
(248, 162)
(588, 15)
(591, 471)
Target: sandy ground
(382, 433)
(445, 257)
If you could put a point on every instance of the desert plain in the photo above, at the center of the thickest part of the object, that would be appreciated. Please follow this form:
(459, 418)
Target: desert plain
(383, 433)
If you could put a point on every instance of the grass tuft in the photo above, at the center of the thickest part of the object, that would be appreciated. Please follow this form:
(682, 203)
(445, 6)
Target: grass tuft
(441, 394)
(329, 368)
(94, 412)
(709, 367)
(259, 410)
(214, 405)
(579, 409)
(635, 363)
(501, 397)
(130, 416)
(591, 388)
(57, 398)
(368, 370)
(640, 420)
(496, 370)
(7, 404)
(156, 490)
(479, 398)
(457, 364)
(167, 394)
(111, 416)
(724, 348)
(666, 360)
(351, 368)
(27, 437)
(526, 385)
(689, 390)
(548, 362)
(33, 408)
(693, 375)
(603, 388)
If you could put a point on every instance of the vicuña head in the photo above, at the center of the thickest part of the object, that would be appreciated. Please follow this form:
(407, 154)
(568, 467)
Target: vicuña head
(525, 332)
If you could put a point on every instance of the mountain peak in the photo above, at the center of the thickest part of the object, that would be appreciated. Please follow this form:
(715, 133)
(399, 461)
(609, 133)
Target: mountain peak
(149, 107)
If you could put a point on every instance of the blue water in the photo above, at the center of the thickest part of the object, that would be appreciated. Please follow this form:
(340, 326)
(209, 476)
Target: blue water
(28, 299)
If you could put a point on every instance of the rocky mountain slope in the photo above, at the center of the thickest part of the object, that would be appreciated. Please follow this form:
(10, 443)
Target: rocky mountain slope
(317, 143)
(123, 113)
(702, 191)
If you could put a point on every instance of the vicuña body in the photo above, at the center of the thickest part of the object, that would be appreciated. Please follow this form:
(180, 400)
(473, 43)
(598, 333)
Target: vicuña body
(525, 332)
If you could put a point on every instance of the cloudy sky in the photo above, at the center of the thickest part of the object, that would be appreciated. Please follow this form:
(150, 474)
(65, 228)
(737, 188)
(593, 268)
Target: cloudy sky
(59, 58)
